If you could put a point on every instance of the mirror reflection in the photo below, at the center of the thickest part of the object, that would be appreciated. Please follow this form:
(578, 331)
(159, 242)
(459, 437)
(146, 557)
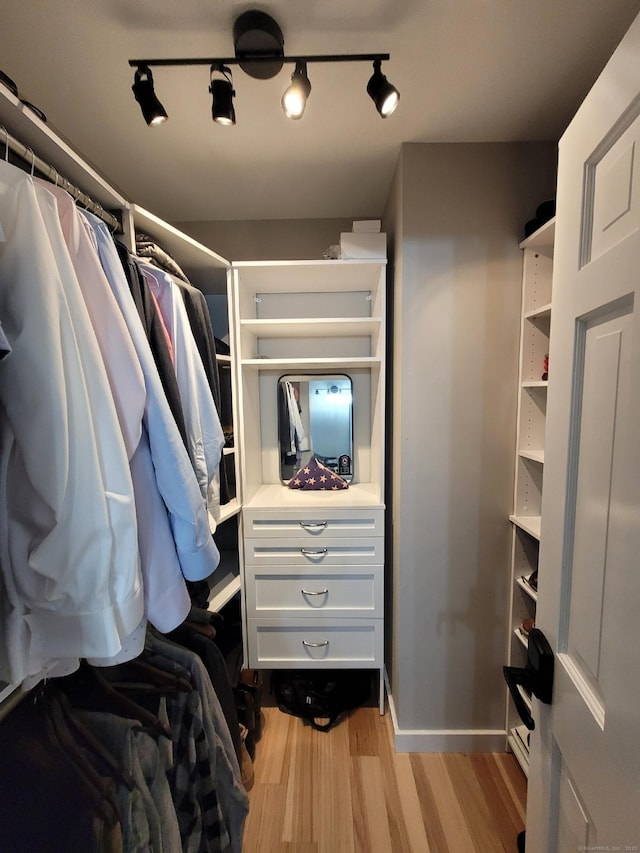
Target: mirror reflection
(315, 418)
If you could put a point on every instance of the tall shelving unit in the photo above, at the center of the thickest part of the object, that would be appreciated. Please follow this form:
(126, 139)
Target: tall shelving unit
(209, 272)
(321, 553)
(526, 519)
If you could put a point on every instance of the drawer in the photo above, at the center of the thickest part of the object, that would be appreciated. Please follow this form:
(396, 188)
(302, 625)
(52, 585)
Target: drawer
(313, 523)
(302, 552)
(355, 592)
(302, 643)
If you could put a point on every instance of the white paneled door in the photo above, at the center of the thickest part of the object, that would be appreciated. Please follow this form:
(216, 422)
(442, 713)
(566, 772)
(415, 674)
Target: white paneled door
(584, 780)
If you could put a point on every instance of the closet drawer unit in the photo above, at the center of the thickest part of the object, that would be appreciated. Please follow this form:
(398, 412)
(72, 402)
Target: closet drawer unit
(351, 591)
(303, 643)
(313, 523)
(301, 552)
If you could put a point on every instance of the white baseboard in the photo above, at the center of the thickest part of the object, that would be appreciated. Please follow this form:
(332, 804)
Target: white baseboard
(444, 740)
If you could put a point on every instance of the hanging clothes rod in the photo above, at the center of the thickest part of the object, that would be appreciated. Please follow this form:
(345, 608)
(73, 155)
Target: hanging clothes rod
(27, 154)
(9, 703)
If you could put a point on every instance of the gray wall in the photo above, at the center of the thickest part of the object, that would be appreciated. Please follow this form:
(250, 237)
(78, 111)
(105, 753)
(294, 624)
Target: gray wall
(455, 213)
(269, 239)
(454, 218)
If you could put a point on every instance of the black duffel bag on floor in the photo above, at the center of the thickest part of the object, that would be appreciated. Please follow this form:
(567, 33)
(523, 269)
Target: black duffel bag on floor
(316, 695)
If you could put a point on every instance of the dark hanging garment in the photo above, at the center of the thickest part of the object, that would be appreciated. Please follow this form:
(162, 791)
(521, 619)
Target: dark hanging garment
(155, 335)
(200, 323)
(212, 658)
(38, 814)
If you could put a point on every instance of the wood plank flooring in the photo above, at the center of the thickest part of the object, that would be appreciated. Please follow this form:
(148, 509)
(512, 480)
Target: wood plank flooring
(348, 792)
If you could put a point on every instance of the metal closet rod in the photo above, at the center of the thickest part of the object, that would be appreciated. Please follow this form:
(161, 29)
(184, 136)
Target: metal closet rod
(263, 57)
(27, 154)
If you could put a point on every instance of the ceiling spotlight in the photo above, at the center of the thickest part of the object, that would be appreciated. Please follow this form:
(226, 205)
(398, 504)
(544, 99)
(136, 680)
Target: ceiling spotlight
(222, 94)
(152, 110)
(383, 94)
(295, 97)
(259, 51)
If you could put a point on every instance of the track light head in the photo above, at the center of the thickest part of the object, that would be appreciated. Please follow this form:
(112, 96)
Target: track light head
(222, 95)
(295, 97)
(152, 110)
(382, 93)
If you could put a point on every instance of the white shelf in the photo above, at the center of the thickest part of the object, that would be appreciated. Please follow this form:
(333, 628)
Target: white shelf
(204, 268)
(519, 748)
(324, 327)
(357, 495)
(530, 591)
(228, 511)
(330, 276)
(521, 637)
(543, 239)
(43, 140)
(536, 313)
(535, 383)
(223, 359)
(533, 455)
(526, 698)
(298, 365)
(226, 583)
(529, 523)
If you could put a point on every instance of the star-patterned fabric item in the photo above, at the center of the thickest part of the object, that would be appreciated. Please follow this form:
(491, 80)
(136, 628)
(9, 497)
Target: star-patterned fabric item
(314, 476)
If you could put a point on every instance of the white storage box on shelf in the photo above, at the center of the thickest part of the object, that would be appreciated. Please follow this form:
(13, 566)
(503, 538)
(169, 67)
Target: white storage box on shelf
(363, 244)
(367, 225)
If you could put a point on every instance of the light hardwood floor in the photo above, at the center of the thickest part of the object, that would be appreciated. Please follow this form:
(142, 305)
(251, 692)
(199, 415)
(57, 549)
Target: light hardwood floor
(349, 792)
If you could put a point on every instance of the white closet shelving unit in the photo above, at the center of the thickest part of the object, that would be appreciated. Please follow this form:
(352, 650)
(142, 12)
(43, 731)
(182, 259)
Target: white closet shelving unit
(209, 272)
(311, 317)
(529, 464)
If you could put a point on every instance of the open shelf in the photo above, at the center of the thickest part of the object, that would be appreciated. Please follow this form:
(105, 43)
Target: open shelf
(518, 743)
(521, 637)
(225, 582)
(530, 591)
(529, 523)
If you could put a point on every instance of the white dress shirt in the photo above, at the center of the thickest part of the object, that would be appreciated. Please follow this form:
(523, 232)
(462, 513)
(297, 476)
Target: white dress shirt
(68, 532)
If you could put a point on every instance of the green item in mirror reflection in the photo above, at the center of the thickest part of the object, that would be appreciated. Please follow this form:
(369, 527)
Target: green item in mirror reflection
(315, 418)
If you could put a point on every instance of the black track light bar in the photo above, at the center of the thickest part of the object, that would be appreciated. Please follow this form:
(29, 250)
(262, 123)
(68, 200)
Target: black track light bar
(261, 57)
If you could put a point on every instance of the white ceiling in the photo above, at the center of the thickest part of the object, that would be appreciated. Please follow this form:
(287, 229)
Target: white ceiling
(467, 70)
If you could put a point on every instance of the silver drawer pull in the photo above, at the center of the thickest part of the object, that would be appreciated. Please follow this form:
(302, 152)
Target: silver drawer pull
(315, 645)
(319, 592)
(311, 552)
(313, 525)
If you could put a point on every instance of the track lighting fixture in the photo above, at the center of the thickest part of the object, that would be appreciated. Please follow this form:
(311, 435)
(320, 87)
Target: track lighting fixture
(222, 95)
(259, 51)
(152, 110)
(295, 97)
(382, 93)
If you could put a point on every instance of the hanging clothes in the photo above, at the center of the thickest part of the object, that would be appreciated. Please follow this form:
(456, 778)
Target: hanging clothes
(202, 330)
(156, 335)
(68, 528)
(204, 432)
(197, 553)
